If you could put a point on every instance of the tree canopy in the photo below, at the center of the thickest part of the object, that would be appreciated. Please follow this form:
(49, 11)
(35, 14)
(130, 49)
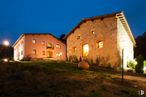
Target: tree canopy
(140, 48)
(6, 52)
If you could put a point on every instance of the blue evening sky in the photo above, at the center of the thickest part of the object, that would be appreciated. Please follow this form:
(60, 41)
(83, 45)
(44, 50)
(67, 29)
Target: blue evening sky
(60, 16)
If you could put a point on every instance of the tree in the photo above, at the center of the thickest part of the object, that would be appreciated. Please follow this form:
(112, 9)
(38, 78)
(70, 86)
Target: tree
(6, 52)
(139, 66)
(140, 48)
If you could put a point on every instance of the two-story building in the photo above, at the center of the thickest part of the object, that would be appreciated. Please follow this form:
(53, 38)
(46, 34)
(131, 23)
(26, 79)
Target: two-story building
(106, 37)
(39, 46)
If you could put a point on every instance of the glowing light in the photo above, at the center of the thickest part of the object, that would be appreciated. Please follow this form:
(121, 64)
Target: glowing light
(93, 32)
(6, 43)
(85, 50)
(5, 60)
(144, 68)
(59, 54)
(100, 44)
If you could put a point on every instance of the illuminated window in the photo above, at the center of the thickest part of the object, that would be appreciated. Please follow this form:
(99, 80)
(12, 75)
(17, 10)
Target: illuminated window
(93, 32)
(99, 44)
(34, 51)
(43, 43)
(59, 54)
(43, 52)
(49, 45)
(49, 54)
(58, 46)
(34, 41)
(74, 49)
(85, 50)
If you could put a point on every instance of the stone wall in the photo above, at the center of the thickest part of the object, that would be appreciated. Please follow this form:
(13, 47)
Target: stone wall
(105, 30)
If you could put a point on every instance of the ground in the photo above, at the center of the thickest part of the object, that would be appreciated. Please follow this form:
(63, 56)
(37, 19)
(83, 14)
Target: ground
(64, 79)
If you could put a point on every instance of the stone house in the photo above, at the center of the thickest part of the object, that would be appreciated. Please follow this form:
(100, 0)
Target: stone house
(39, 46)
(106, 38)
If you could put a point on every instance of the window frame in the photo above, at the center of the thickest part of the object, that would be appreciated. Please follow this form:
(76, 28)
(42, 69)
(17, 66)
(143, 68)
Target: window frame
(34, 41)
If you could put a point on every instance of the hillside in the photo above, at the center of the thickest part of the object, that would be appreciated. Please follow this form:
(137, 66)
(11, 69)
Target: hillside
(61, 79)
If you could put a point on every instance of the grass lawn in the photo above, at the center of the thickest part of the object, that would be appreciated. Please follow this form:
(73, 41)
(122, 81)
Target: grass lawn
(63, 79)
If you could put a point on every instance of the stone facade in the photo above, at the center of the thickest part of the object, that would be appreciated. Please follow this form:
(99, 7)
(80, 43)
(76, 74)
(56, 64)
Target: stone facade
(39, 46)
(103, 38)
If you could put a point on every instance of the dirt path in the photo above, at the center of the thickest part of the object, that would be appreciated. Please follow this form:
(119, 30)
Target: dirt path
(138, 81)
(128, 77)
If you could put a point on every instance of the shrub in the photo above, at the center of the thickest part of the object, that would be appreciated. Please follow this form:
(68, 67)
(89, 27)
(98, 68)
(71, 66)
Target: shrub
(97, 61)
(132, 64)
(139, 66)
(109, 65)
(26, 58)
(73, 59)
(103, 61)
(90, 61)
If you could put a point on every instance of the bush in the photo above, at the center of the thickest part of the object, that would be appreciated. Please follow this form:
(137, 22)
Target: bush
(26, 58)
(139, 66)
(73, 59)
(90, 61)
(103, 61)
(132, 64)
(97, 61)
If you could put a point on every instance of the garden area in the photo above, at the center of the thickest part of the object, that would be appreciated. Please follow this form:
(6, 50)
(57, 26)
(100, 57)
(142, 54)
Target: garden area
(64, 79)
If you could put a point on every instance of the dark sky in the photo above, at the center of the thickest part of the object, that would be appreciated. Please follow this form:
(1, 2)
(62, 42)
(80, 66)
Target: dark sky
(60, 16)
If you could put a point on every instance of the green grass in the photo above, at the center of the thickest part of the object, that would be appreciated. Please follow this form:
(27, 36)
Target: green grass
(60, 79)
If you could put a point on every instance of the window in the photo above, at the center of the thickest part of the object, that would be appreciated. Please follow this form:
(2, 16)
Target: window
(34, 51)
(58, 46)
(34, 41)
(49, 54)
(85, 50)
(99, 44)
(74, 49)
(43, 43)
(59, 54)
(43, 52)
(49, 45)
(93, 32)
(78, 37)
